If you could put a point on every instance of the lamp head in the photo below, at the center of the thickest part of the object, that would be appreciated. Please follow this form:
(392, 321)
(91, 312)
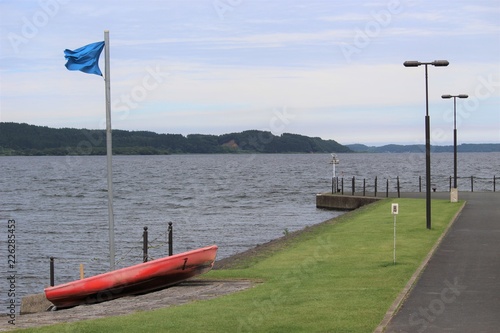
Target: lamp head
(463, 96)
(412, 63)
(440, 63)
(446, 96)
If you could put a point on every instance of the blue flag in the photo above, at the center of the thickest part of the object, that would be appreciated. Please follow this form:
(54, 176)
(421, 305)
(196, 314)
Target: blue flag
(85, 59)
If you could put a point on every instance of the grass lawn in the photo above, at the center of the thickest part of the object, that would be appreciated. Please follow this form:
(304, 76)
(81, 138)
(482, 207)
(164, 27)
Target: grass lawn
(338, 276)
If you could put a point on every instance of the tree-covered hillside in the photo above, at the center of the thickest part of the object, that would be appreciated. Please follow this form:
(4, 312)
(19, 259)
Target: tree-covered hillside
(25, 139)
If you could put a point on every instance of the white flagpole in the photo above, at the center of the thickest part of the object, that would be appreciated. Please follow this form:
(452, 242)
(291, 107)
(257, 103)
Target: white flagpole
(109, 152)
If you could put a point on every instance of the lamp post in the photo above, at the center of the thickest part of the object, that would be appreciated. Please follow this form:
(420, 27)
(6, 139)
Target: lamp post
(454, 193)
(437, 63)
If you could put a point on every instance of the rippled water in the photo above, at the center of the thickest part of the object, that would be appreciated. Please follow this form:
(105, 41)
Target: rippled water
(235, 201)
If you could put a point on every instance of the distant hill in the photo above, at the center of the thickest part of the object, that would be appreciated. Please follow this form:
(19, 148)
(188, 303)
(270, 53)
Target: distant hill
(25, 139)
(462, 148)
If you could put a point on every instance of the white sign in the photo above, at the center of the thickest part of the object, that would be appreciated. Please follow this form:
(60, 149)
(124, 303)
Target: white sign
(395, 209)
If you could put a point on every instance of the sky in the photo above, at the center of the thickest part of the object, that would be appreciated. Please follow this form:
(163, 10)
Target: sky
(321, 68)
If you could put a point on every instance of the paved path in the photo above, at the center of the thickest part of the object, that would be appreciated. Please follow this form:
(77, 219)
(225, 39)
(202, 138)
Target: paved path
(459, 290)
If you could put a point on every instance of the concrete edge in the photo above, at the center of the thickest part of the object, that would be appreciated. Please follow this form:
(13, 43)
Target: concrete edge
(393, 309)
(343, 202)
(34, 304)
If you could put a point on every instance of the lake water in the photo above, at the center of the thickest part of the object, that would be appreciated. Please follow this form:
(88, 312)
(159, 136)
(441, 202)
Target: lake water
(59, 204)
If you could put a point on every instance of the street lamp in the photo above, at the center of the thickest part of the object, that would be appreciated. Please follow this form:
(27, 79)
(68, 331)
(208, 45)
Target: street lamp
(437, 63)
(454, 193)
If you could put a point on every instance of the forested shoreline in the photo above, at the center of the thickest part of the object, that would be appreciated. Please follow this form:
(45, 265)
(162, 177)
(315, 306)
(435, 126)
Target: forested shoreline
(32, 140)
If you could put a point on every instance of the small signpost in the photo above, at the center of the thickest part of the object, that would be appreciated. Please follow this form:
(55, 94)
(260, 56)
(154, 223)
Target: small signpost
(394, 211)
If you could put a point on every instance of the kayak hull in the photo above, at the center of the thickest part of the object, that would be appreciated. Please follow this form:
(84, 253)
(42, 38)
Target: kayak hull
(134, 280)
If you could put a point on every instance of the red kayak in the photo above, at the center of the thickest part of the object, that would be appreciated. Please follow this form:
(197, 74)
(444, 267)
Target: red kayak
(134, 280)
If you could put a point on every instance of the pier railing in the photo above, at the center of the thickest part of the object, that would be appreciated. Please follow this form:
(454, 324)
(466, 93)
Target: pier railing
(384, 186)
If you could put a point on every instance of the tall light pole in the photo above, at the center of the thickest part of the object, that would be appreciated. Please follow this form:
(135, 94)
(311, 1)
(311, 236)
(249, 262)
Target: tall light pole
(454, 193)
(437, 63)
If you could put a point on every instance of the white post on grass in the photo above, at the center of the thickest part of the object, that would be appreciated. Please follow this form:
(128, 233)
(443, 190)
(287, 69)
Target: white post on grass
(394, 211)
(109, 153)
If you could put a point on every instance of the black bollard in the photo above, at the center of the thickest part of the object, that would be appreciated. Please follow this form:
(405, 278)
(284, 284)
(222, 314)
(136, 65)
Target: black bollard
(472, 183)
(375, 185)
(364, 186)
(387, 188)
(353, 186)
(51, 271)
(420, 183)
(494, 183)
(399, 191)
(145, 245)
(342, 185)
(450, 184)
(170, 245)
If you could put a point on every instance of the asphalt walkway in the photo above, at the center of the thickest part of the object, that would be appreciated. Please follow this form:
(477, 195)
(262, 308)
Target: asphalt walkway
(459, 289)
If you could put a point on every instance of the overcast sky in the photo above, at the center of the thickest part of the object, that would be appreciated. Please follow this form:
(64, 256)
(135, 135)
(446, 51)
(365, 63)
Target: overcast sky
(327, 68)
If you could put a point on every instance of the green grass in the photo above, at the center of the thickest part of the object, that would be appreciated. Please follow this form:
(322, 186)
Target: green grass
(337, 277)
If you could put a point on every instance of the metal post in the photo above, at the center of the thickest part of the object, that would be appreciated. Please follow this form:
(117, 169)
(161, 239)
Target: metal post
(455, 136)
(333, 182)
(375, 185)
(342, 185)
(420, 183)
(494, 183)
(427, 154)
(145, 245)
(399, 194)
(394, 250)
(109, 154)
(364, 186)
(387, 188)
(455, 144)
(170, 245)
(450, 183)
(51, 271)
(472, 183)
(353, 187)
